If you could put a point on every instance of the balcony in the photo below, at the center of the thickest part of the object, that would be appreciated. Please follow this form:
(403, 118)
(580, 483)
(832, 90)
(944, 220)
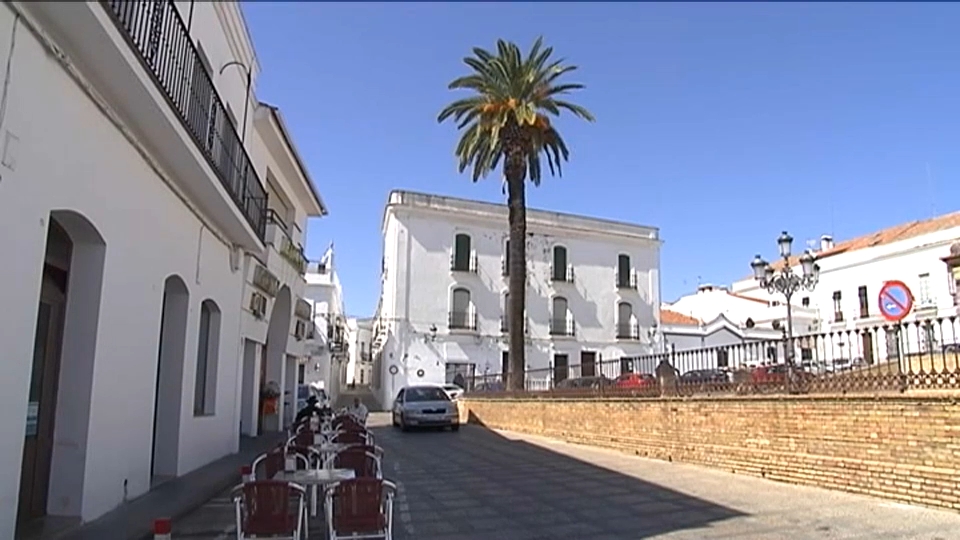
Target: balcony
(279, 237)
(562, 327)
(144, 64)
(158, 34)
(563, 275)
(629, 331)
(462, 320)
(627, 280)
(463, 262)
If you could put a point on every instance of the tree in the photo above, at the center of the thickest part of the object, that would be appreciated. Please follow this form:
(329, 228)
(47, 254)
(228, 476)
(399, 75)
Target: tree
(507, 120)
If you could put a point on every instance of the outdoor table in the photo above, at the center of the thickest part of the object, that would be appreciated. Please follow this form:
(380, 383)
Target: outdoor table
(315, 478)
(328, 448)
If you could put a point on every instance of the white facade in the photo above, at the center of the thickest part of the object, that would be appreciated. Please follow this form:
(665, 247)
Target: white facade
(328, 350)
(711, 303)
(276, 318)
(131, 212)
(853, 272)
(360, 366)
(435, 321)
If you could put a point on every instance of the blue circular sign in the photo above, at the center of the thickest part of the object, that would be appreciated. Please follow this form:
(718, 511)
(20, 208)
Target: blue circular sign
(895, 300)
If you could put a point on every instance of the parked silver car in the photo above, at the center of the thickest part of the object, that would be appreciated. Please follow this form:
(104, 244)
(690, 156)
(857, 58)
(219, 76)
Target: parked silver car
(425, 406)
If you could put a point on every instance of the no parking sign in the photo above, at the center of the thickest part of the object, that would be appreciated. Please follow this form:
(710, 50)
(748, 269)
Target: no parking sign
(896, 300)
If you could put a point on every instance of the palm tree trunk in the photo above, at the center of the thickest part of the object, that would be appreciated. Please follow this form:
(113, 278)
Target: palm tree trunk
(515, 171)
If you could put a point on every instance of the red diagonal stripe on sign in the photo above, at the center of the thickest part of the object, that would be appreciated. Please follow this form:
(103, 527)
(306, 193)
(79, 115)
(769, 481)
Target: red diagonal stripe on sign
(888, 296)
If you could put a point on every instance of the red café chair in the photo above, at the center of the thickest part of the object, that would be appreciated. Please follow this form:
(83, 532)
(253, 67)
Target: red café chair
(363, 463)
(346, 422)
(360, 508)
(353, 437)
(274, 461)
(270, 509)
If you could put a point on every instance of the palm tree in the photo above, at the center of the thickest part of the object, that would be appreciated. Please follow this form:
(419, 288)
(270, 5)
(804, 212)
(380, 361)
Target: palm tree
(507, 120)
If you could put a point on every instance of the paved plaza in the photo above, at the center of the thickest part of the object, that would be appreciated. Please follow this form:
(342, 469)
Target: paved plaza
(481, 485)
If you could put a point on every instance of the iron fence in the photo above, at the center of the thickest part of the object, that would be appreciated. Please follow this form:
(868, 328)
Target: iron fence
(156, 31)
(888, 357)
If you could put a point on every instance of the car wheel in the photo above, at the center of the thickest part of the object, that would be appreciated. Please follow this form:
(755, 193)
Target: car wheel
(403, 425)
(393, 418)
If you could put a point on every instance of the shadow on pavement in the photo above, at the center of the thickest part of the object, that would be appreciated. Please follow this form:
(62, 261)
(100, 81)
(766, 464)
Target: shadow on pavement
(479, 484)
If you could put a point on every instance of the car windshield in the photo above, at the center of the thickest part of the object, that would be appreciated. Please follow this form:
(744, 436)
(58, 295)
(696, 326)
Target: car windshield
(425, 394)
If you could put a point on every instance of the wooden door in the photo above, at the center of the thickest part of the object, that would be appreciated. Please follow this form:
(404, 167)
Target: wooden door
(42, 400)
(588, 364)
(866, 339)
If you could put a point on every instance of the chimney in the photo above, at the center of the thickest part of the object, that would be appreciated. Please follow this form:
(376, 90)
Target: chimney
(826, 242)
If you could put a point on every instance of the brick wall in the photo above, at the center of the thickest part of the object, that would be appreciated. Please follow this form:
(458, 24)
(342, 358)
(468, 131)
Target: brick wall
(903, 448)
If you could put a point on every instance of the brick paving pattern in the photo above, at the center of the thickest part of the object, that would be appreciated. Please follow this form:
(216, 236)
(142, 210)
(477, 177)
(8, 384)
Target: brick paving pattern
(478, 484)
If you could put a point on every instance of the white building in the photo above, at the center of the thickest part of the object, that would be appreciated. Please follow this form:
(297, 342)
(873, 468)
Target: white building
(592, 292)
(360, 365)
(139, 160)
(852, 273)
(328, 350)
(723, 317)
(276, 319)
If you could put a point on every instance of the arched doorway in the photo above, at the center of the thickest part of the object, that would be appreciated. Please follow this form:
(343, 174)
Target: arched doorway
(273, 362)
(168, 399)
(61, 382)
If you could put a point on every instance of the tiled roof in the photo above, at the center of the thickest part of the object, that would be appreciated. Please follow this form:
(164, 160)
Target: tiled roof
(672, 317)
(890, 235)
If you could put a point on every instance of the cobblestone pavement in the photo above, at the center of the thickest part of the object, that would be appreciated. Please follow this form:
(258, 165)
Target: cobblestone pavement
(482, 485)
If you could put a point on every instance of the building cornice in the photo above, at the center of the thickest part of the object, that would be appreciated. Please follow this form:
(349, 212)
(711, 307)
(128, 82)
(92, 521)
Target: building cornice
(541, 221)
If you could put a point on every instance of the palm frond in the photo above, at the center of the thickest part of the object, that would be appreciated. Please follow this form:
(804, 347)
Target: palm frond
(510, 88)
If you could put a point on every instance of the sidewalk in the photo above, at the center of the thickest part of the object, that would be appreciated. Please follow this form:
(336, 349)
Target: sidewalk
(174, 498)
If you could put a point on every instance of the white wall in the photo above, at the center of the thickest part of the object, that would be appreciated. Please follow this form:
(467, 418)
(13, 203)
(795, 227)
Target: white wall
(418, 282)
(904, 260)
(70, 157)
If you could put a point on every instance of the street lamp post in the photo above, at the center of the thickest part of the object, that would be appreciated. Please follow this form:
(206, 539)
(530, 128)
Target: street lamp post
(785, 281)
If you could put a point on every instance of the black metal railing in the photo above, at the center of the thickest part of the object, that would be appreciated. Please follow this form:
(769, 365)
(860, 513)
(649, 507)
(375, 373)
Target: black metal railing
(156, 31)
(290, 251)
(895, 358)
(563, 274)
(628, 331)
(561, 327)
(626, 280)
(462, 320)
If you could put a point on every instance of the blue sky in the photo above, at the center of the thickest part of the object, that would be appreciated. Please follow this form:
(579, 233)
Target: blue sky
(720, 124)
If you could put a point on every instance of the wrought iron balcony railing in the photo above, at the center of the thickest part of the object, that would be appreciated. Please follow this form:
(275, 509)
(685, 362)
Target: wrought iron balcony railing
(628, 331)
(156, 31)
(561, 327)
(462, 320)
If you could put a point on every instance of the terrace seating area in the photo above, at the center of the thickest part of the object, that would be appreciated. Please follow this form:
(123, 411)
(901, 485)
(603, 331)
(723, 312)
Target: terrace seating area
(327, 475)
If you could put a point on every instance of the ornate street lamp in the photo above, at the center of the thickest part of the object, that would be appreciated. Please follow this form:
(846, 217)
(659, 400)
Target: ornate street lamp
(785, 281)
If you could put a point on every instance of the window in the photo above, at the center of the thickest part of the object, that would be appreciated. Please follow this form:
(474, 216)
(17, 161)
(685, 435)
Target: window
(924, 298)
(623, 271)
(504, 363)
(723, 358)
(864, 302)
(461, 253)
(561, 369)
(626, 366)
(837, 311)
(560, 324)
(805, 302)
(625, 327)
(559, 263)
(460, 312)
(505, 318)
(301, 373)
(208, 349)
(506, 258)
